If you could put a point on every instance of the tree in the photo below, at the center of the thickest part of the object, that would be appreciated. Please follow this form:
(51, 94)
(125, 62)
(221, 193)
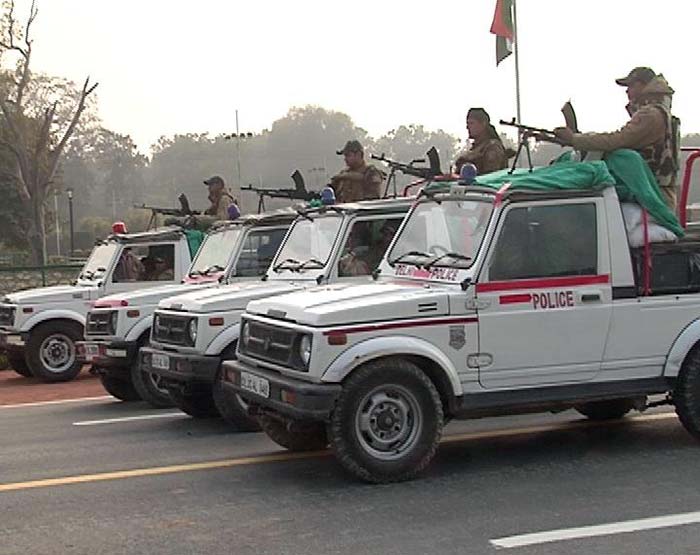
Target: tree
(38, 123)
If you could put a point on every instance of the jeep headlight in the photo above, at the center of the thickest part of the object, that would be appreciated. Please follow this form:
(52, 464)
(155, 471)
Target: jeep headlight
(192, 330)
(305, 349)
(245, 334)
(114, 318)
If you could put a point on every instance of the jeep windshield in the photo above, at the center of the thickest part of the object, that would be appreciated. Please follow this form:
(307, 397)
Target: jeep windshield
(309, 244)
(447, 234)
(99, 261)
(215, 252)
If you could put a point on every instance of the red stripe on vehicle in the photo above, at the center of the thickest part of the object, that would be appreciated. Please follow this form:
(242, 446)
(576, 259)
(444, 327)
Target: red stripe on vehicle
(399, 325)
(514, 299)
(499, 195)
(548, 283)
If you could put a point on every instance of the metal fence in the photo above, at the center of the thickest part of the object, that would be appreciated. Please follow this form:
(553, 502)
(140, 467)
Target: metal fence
(16, 278)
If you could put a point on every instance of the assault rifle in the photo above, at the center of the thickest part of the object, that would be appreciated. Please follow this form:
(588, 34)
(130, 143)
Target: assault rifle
(184, 210)
(422, 172)
(298, 193)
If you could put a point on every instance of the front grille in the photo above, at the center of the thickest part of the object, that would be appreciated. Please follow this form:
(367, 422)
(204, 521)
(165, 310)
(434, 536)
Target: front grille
(273, 344)
(7, 315)
(171, 329)
(100, 323)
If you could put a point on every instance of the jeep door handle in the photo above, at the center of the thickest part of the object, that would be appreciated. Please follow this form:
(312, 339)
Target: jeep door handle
(590, 297)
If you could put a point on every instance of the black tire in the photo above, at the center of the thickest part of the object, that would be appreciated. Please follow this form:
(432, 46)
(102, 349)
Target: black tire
(19, 365)
(612, 409)
(51, 353)
(311, 438)
(686, 395)
(399, 392)
(121, 388)
(149, 388)
(232, 408)
(197, 404)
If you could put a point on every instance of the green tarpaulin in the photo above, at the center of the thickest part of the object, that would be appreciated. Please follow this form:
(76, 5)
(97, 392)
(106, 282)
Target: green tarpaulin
(194, 240)
(624, 169)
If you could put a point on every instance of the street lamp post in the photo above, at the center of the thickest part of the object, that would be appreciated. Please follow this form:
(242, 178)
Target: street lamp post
(58, 222)
(69, 192)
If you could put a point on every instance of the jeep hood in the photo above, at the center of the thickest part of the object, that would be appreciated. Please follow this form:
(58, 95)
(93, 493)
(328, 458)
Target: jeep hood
(153, 295)
(54, 294)
(228, 297)
(339, 304)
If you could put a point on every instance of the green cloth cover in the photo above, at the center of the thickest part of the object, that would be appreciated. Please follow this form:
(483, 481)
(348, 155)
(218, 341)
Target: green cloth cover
(194, 240)
(625, 169)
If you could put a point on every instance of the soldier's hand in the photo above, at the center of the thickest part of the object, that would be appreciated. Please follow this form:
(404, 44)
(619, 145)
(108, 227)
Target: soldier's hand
(565, 135)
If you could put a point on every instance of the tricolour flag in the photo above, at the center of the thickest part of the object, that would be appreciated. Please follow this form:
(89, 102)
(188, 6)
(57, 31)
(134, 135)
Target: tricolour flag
(502, 27)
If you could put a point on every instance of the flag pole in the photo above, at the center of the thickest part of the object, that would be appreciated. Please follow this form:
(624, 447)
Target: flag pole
(516, 48)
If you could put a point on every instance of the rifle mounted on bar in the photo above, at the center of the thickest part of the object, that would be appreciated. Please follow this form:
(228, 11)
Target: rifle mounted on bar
(298, 193)
(540, 134)
(537, 133)
(423, 172)
(184, 210)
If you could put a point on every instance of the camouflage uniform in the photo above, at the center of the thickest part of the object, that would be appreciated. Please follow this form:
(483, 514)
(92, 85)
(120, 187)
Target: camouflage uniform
(219, 207)
(363, 183)
(652, 131)
(487, 155)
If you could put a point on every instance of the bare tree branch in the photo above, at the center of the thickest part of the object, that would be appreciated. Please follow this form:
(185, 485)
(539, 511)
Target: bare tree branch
(11, 31)
(43, 137)
(33, 12)
(56, 152)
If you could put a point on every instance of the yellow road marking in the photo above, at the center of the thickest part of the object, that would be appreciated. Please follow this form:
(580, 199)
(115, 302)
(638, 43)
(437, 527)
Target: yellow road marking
(158, 470)
(288, 456)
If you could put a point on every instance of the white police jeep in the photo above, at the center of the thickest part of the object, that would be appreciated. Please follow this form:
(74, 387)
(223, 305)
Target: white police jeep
(119, 325)
(487, 303)
(39, 328)
(193, 333)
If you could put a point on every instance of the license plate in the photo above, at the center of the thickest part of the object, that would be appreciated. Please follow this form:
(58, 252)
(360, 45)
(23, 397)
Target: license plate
(255, 384)
(91, 352)
(161, 362)
(13, 340)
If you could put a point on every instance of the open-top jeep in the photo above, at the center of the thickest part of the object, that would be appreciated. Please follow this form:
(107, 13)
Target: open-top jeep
(119, 325)
(39, 328)
(193, 333)
(491, 300)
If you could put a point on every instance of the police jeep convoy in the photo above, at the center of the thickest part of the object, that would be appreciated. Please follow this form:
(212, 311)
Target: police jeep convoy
(490, 301)
(39, 328)
(119, 325)
(194, 332)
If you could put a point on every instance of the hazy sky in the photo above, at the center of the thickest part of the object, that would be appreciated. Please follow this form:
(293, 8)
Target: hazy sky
(177, 66)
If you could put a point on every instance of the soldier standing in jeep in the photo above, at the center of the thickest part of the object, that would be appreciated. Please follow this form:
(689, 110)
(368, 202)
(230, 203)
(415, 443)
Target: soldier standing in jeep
(652, 130)
(487, 152)
(359, 180)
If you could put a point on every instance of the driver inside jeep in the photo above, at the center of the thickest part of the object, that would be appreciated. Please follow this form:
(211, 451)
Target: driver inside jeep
(352, 263)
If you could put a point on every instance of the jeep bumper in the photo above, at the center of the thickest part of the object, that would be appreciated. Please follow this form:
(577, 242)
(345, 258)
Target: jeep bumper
(12, 341)
(289, 397)
(178, 367)
(108, 354)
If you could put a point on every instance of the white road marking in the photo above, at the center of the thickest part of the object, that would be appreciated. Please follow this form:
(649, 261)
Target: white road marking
(59, 402)
(612, 528)
(131, 418)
